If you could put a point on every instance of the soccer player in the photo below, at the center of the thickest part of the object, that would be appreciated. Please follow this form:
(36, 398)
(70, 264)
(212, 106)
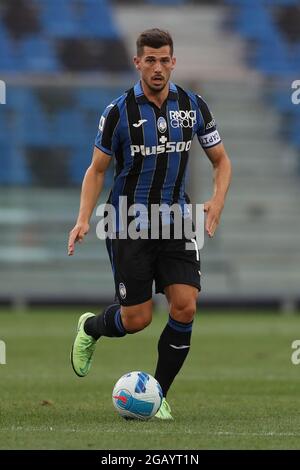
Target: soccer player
(148, 131)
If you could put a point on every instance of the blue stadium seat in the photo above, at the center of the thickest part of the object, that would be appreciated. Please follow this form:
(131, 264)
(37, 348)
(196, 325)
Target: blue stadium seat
(58, 18)
(295, 134)
(273, 58)
(69, 128)
(97, 20)
(8, 57)
(13, 168)
(89, 99)
(39, 55)
(5, 167)
(96, 98)
(283, 102)
(79, 162)
(255, 23)
(33, 126)
(20, 173)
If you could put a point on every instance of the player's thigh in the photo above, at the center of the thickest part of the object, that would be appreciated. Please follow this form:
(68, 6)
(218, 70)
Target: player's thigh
(182, 299)
(178, 266)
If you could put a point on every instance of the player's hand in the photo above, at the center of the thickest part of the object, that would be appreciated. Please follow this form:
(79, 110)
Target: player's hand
(77, 234)
(213, 209)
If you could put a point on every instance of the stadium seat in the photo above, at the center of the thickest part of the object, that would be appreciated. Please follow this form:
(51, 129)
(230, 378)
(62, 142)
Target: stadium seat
(295, 134)
(39, 55)
(274, 59)
(58, 18)
(79, 162)
(68, 128)
(13, 169)
(33, 126)
(96, 20)
(8, 57)
(255, 23)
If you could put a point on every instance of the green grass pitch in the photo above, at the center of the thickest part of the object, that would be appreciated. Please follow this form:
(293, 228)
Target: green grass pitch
(238, 389)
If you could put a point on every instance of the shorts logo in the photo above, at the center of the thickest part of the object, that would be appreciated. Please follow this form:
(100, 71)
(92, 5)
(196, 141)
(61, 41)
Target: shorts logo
(122, 290)
(183, 118)
(101, 123)
(161, 124)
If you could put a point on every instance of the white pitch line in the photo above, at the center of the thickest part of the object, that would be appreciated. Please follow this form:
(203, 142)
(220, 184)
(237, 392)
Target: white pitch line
(150, 431)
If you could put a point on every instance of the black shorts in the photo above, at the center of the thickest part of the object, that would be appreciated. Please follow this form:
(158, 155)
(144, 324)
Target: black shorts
(137, 263)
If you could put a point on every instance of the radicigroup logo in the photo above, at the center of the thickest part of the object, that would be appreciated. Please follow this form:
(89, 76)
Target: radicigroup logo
(2, 92)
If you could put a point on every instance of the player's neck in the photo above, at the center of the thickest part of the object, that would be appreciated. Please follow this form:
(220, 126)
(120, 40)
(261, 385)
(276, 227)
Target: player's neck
(158, 98)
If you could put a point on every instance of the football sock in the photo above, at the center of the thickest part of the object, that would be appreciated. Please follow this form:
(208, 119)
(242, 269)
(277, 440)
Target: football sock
(108, 323)
(173, 348)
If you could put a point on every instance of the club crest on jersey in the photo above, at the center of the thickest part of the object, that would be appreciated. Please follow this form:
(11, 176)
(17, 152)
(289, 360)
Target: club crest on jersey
(122, 290)
(161, 124)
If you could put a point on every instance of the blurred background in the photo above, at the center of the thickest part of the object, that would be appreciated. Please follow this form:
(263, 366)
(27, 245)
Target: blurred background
(63, 61)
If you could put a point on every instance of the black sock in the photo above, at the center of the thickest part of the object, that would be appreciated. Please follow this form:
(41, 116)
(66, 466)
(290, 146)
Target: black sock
(173, 347)
(109, 323)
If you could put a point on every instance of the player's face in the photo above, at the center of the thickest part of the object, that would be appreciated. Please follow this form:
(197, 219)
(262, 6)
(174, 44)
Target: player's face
(155, 67)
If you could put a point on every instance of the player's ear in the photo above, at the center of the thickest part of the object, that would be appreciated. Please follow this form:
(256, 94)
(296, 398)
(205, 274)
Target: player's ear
(173, 62)
(136, 62)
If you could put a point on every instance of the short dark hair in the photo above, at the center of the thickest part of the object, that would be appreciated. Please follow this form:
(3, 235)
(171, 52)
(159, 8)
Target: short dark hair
(155, 38)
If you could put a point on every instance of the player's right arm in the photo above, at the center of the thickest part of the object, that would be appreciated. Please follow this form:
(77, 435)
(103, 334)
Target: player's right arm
(91, 188)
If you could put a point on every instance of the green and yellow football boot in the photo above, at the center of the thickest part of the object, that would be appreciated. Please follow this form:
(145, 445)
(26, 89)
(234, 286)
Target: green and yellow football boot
(83, 348)
(164, 411)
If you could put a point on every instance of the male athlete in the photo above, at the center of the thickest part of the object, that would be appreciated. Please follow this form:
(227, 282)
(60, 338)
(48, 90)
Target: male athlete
(148, 130)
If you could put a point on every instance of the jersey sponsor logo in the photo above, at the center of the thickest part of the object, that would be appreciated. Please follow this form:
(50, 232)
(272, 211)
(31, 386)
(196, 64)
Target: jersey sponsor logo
(161, 124)
(183, 118)
(138, 124)
(101, 123)
(211, 124)
(168, 147)
(122, 290)
(210, 139)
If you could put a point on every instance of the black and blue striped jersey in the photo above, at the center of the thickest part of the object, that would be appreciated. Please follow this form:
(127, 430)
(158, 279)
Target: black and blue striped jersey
(151, 145)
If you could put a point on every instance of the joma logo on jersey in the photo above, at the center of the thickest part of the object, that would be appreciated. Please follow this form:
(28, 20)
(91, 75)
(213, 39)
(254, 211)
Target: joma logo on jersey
(183, 118)
(157, 149)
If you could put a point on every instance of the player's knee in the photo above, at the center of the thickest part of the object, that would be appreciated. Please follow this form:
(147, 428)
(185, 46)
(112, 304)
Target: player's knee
(184, 312)
(137, 323)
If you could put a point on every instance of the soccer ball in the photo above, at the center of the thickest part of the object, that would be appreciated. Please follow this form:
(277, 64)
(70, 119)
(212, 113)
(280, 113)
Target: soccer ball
(137, 395)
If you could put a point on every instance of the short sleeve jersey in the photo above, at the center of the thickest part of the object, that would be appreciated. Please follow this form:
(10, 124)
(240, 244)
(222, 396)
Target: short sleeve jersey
(151, 145)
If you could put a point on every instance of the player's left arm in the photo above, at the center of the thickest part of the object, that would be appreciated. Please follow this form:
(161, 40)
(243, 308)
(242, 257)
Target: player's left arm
(222, 177)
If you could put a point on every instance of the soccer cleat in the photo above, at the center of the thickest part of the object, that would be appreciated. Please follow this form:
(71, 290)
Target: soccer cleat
(164, 411)
(83, 348)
